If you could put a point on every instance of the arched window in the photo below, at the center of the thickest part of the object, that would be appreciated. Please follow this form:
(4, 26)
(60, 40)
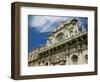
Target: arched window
(60, 37)
(46, 63)
(74, 58)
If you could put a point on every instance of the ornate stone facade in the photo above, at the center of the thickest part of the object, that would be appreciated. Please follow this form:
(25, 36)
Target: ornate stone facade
(66, 45)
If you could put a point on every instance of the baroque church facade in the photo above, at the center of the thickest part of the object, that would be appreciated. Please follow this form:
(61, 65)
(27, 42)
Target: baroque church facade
(66, 45)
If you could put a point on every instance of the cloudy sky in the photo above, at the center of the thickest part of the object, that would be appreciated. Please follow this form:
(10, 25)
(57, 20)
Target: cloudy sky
(40, 26)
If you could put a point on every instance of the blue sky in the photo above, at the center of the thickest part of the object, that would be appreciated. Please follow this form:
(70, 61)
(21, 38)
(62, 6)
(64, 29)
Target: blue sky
(40, 26)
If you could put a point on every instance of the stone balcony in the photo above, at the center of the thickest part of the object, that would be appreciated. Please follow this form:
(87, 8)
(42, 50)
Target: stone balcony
(63, 41)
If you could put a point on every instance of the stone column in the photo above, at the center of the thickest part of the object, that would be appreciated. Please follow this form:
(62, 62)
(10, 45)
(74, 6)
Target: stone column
(80, 60)
(67, 57)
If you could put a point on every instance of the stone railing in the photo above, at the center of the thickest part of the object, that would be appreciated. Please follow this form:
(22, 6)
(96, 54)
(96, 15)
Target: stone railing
(63, 41)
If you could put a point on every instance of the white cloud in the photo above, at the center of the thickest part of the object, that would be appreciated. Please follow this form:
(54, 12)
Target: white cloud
(45, 23)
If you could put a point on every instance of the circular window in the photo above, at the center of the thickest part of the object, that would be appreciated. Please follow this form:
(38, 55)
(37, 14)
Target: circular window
(74, 58)
(60, 37)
